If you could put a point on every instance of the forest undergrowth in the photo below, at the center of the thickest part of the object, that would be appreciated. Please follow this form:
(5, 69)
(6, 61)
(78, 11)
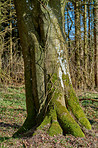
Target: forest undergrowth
(13, 114)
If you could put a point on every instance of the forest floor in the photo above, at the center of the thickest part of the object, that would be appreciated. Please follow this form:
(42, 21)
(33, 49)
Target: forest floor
(13, 114)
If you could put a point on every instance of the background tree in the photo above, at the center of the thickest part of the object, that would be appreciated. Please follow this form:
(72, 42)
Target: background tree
(49, 91)
(80, 29)
(11, 62)
(77, 45)
(85, 45)
(96, 41)
(11, 57)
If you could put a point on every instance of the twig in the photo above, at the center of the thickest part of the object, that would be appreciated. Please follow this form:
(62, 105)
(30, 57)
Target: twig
(95, 99)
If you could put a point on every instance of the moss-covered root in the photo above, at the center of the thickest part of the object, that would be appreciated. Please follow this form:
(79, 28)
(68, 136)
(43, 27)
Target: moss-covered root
(79, 114)
(73, 103)
(76, 109)
(46, 122)
(44, 125)
(55, 128)
(50, 123)
(67, 123)
(28, 124)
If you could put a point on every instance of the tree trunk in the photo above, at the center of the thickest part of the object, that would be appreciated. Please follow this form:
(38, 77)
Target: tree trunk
(68, 28)
(1, 42)
(85, 46)
(96, 42)
(77, 45)
(49, 91)
(89, 40)
(10, 47)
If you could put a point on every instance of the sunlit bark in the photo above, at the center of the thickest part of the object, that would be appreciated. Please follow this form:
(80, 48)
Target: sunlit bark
(49, 91)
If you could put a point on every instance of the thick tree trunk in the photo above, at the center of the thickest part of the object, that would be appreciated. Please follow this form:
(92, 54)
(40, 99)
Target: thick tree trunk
(49, 92)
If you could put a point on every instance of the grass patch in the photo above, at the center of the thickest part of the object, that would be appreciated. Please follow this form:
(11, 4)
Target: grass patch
(90, 107)
(13, 114)
(90, 95)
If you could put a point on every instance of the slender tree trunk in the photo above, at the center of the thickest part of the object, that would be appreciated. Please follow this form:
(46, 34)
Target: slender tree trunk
(1, 41)
(77, 38)
(10, 47)
(89, 45)
(81, 46)
(85, 46)
(47, 79)
(68, 32)
(77, 44)
(96, 42)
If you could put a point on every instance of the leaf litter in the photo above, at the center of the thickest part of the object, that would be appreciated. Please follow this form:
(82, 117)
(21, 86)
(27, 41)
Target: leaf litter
(12, 118)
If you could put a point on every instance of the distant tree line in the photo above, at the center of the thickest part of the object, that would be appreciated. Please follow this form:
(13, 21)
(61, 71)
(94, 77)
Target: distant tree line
(81, 41)
(11, 61)
(81, 20)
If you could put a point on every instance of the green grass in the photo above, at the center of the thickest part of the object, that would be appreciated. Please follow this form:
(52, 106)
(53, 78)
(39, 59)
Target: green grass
(13, 114)
(91, 107)
(90, 95)
(12, 97)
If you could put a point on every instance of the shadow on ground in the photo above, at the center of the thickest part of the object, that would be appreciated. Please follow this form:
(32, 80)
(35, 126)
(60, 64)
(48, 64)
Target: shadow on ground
(14, 125)
(4, 138)
(2, 124)
(92, 121)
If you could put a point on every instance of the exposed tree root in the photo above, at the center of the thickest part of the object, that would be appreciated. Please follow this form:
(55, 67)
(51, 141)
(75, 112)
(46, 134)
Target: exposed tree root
(28, 124)
(68, 124)
(60, 122)
(73, 103)
(58, 119)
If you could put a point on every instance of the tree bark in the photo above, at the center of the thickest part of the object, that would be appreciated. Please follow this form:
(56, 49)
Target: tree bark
(1, 42)
(96, 42)
(11, 44)
(85, 46)
(77, 45)
(49, 92)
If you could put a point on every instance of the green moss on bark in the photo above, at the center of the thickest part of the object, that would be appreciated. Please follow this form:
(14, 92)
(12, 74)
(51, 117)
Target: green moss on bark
(55, 129)
(45, 122)
(78, 112)
(67, 123)
(73, 103)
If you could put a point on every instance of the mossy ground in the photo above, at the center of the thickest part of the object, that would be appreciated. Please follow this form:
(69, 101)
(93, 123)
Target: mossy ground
(13, 114)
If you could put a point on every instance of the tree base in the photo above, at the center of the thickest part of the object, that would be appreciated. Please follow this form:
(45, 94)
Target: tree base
(28, 124)
(60, 122)
(58, 116)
